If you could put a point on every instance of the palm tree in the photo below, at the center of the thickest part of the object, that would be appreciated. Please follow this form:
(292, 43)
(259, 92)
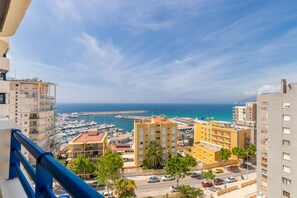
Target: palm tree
(153, 155)
(187, 191)
(124, 187)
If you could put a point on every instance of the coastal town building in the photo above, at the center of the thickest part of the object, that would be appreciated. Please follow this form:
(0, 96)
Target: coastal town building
(91, 144)
(121, 138)
(276, 155)
(246, 117)
(158, 128)
(32, 105)
(210, 137)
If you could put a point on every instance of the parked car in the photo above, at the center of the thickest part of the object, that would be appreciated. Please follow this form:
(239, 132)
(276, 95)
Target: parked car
(207, 184)
(218, 170)
(218, 181)
(153, 179)
(230, 179)
(247, 166)
(233, 168)
(107, 194)
(64, 196)
(194, 174)
(167, 178)
(173, 189)
(214, 189)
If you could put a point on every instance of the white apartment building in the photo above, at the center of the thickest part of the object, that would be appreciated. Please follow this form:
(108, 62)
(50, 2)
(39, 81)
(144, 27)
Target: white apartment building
(246, 117)
(32, 104)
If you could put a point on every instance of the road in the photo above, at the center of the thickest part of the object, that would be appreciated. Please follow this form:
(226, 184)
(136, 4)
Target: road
(161, 188)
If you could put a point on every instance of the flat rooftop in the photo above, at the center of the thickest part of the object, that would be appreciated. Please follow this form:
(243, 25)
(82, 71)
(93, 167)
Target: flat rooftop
(208, 146)
(90, 137)
(155, 120)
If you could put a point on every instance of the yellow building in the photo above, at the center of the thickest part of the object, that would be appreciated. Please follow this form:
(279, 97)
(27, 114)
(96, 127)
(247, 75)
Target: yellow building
(91, 144)
(158, 129)
(211, 137)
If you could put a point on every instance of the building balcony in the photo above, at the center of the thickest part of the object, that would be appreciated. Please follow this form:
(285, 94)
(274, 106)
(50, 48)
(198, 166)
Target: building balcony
(4, 87)
(14, 182)
(4, 45)
(264, 132)
(4, 109)
(4, 64)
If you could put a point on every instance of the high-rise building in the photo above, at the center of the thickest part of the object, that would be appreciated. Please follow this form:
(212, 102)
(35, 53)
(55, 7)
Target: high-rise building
(246, 117)
(32, 104)
(210, 137)
(276, 145)
(159, 129)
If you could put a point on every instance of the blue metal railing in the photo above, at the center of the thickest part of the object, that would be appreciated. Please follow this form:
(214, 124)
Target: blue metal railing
(47, 168)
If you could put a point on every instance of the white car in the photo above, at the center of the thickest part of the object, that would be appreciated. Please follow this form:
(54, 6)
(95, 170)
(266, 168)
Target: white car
(173, 188)
(107, 194)
(167, 178)
(230, 179)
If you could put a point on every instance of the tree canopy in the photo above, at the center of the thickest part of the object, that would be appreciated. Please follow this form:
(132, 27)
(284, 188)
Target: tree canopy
(81, 165)
(108, 167)
(187, 191)
(224, 154)
(179, 167)
(251, 150)
(124, 188)
(208, 174)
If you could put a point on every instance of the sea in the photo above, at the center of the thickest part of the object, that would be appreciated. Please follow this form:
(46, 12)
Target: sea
(220, 112)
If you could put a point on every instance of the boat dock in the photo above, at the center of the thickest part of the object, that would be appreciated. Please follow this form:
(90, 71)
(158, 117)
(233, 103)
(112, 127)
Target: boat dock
(132, 117)
(110, 112)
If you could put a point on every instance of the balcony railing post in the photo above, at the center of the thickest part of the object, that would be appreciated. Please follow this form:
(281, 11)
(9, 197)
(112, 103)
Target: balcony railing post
(43, 179)
(14, 145)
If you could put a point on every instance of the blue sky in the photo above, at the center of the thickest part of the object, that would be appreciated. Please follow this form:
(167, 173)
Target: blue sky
(154, 51)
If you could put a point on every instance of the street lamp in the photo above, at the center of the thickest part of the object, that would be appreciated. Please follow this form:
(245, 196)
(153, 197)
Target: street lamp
(247, 165)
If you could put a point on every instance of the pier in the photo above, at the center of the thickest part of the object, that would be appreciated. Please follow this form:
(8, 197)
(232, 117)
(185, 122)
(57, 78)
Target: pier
(110, 112)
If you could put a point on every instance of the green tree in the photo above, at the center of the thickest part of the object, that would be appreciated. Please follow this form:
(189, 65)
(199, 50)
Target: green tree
(108, 167)
(124, 188)
(224, 154)
(187, 191)
(251, 150)
(208, 175)
(153, 155)
(191, 141)
(179, 167)
(82, 165)
(238, 152)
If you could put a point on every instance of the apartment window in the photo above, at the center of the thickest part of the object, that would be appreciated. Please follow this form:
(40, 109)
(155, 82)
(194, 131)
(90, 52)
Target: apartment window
(286, 105)
(287, 130)
(2, 98)
(286, 181)
(286, 156)
(286, 194)
(287, 118)
(286, 143)
(286, 169)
